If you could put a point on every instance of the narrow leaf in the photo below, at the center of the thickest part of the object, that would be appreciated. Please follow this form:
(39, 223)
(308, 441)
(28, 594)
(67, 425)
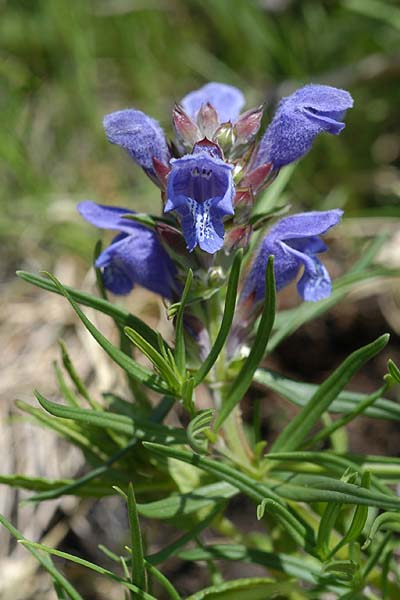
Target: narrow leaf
(300, 394)
(43, 560)
(180, 351)
(245, 377)
(227, 318)
(116, 312)
(138, 576)
(120, 358)
(299, 427)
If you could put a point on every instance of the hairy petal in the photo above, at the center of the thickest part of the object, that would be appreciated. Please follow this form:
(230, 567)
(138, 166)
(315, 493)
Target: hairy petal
(299, 119)
(305, 225)
(135, 256)
(106, 217)
(226, 99)
(139, 134)
(294, 242)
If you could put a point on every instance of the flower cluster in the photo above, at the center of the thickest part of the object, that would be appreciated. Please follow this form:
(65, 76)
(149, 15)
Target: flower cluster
(209, 179)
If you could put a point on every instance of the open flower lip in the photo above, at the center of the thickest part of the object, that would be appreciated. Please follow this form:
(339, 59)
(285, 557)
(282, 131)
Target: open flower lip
(294, 241)
(135, 255)
(201, 190)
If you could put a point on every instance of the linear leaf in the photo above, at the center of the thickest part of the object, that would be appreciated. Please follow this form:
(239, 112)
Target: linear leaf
(300, 394)
(245, 377)
(257, 491)
(40, 484)
(318, 488)
(116, 312)
(299, 427)
(120, 358)
(89, 565)
(180, 351)
(161, 364)
(180, 505)
(304, 568)
(229, 311)
(138, 575)
(132, 426)
(257, 588)
(44, 561)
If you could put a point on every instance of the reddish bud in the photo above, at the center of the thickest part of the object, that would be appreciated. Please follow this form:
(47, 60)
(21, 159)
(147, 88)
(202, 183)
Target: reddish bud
(172, 238)
(248, 124)
(257, 178)
(208, 120)
(237, 237)
(185, 128)
(162, 170)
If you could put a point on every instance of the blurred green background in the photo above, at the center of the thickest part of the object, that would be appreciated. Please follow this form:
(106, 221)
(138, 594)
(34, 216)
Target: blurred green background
(66, 63)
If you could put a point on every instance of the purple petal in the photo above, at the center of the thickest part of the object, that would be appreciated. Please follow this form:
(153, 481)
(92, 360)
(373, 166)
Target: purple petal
(107, 217)
(137, 258)
(315, 284)
(226, 99)
(139, 134)
(299, 119)
(305, 225)
(201, 190)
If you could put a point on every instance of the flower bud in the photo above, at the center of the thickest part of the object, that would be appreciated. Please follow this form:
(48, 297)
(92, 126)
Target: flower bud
(185, 128)
(207, 120)
(248, 124)
(225, 136)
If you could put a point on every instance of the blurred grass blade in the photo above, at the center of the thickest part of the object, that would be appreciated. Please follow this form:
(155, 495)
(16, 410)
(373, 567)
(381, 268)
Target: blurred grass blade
(180, 351)
(49, 486)
(138, 575)
(300, 394)
(119, 314)
(229, 311)
(44, 561)
(296, 431)
(245, 377)
(120, 358)
(89, 565)
(72, 372)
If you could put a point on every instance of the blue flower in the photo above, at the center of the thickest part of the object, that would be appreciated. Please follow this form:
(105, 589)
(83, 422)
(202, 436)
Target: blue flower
(226, 99)
(201, 190)
(299, 119)
(294, 242)
(135, 256)
(140, 135)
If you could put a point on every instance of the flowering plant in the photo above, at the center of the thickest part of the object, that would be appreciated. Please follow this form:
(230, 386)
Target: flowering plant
(209, 257)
